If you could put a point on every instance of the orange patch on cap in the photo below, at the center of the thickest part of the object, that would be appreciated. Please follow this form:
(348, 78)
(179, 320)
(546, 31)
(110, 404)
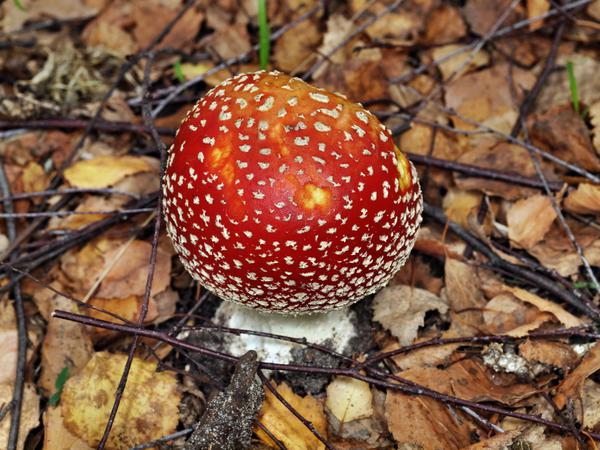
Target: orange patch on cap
(404, 172)
(311, 196)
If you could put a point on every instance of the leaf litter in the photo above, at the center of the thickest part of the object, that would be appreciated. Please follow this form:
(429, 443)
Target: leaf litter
(439, 74)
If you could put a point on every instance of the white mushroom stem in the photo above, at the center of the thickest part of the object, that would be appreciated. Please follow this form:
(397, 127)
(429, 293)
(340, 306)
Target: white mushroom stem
(336, 327)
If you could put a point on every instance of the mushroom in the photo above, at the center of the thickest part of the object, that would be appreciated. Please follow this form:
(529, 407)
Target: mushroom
(288, 198)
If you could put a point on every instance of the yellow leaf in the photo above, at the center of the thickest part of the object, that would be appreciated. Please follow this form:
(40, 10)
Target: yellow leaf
(285, 426)
(105, 171)
(349, 399)
(149, 408)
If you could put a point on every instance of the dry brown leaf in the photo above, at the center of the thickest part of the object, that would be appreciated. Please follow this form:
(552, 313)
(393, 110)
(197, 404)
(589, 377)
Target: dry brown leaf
(14, 17)
(349, 399)
(295, 49)
(564, 317)
(338, 28)
(572, 385)
(529, 220)
(105, 171)
(444, 25)
(471, 380)
(128, 273)
(425, 357)
(551, 353)
(127, 308)
(109, 37)
(425, 424)
(402, 309)
(486, 96)
(482, 15)
(537, 8)
(400, 27)
(584, 200)
(229, 42)
(159, 14)
(148, 409)
(285, 426)
(459, 204)
(417, 272)
(459, 64)
(56, 436)
(463, 291)
(505, 312)
(556, 88)
(66, 344)
(562, 132)
(89, 204)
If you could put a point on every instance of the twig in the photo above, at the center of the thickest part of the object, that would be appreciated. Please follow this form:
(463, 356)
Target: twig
(18, 388)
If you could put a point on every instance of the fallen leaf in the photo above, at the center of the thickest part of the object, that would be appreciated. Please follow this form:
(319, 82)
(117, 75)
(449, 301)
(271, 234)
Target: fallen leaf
(66, 344)
(487, 97)
(444, 25)
(465, 298)
(556, 88)
(349, 399)
(471, 380)
(149, 407)
(295, 49)
(56, 436)
(402, 309)
(562, 132)
(338, 28)
(529, 220)
(88, 204)
(566, 318)
(537, 8)
(460, 63)
(285, 426)
(505, 312)
(556, 354)
(105, 171)
(229, 42)
(572, 385)
(129, 271)
(482, 15)
(400, 27)
(584, 200)
(159, 14)
(14, 17)
(127, 308)
(459, 204)
(30, 413)
(426, 424)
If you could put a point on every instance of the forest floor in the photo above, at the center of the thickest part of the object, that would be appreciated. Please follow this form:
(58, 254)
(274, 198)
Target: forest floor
(487, 337)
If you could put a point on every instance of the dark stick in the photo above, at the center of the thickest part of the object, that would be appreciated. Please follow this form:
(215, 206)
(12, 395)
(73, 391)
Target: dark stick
(18, 388)
(78, 124)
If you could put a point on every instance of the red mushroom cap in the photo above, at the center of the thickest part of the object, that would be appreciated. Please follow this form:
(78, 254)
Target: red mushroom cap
(285, 197)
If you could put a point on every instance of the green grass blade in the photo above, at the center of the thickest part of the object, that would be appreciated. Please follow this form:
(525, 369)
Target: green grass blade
(573, 87)
(264, 35)
(19, 5)
(61, 379)
(179, 71)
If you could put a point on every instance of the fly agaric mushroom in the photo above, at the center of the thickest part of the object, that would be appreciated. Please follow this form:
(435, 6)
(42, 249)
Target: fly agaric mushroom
(284, 197)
